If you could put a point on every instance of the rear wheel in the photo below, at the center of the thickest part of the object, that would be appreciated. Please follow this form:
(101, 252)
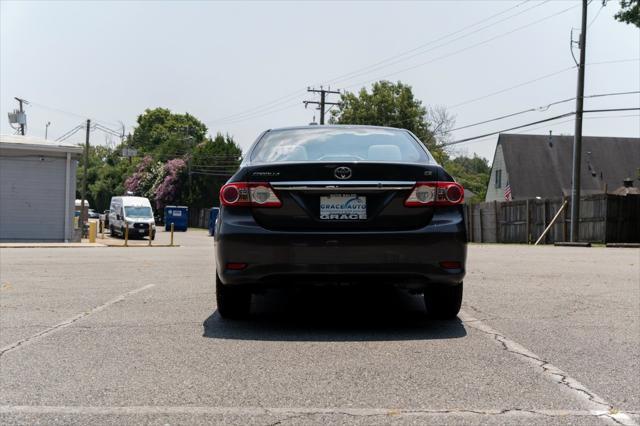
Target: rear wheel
(233, 303)
(443, 301)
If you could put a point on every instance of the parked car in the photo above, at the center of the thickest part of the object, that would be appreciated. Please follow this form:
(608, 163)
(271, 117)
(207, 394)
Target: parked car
(213, 216)
(93, 214)
(134, 212)
(104, 220)
(104, 217)
(323, 205)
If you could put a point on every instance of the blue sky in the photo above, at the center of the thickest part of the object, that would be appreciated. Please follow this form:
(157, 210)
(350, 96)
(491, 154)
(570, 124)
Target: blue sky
(111, 60)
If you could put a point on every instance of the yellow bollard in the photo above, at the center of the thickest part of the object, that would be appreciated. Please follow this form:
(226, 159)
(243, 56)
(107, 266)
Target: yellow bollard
(150, 235)
(171, 235)
(126, 234)
(92, 232)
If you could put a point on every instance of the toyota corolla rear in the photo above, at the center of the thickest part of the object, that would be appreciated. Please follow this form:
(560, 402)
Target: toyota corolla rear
(327, 205)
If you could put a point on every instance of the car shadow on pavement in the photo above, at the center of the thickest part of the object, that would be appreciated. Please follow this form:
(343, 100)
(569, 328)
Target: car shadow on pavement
(334, 314)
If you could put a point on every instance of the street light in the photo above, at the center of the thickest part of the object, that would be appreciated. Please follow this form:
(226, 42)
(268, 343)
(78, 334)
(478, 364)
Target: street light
(46, 129)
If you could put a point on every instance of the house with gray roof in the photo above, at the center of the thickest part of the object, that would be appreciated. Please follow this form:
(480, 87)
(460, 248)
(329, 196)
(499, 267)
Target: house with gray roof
(531, 166)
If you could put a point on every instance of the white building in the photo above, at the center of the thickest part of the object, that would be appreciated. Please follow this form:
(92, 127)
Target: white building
(37, 189)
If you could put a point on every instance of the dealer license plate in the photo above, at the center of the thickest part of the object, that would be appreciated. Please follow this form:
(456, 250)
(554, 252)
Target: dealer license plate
(343, 207)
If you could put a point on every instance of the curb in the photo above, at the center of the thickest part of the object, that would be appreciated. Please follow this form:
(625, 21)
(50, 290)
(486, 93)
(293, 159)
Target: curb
(13, 246)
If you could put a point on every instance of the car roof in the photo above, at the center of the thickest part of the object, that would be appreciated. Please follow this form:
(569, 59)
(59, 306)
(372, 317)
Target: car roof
(133, 199)
(337, 126)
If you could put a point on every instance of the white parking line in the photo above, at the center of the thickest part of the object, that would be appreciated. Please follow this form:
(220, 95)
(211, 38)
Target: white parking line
(294, 412)
(68, 322)
(593, 402)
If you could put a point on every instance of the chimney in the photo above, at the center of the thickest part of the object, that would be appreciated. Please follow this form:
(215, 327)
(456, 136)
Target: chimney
(627, 183)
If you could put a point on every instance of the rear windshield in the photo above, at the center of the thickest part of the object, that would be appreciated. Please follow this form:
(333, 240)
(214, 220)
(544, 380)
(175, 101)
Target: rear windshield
(339, 144)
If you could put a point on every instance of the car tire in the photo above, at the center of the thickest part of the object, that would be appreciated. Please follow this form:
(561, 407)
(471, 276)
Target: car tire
(443, 301)
(233, 303)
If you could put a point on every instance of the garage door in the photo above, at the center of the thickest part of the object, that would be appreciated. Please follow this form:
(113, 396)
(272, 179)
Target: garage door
(32, 198)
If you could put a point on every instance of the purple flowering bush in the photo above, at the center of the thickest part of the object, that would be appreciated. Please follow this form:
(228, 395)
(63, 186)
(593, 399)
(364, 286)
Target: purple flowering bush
(141, 181)
(168, 188)
(161, 183)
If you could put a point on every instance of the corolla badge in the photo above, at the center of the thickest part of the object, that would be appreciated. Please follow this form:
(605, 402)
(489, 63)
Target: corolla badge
(342, 172)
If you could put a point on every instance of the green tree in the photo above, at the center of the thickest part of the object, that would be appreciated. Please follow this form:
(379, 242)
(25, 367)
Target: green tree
(165, 135)
(629, 12)
(212, 162)
(106, 172)
(169, 146)
(472, 173)
(109, 179)
(394, 105)
(388, 104)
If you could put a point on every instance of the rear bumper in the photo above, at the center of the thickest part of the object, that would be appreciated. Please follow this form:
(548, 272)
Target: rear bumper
(404, 258)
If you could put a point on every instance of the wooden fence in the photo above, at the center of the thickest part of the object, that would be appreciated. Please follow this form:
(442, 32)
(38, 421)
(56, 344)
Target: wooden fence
(199, 217)
(604, 218)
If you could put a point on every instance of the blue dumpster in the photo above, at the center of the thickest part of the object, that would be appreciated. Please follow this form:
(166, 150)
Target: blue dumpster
(213, 215)
(178, 215)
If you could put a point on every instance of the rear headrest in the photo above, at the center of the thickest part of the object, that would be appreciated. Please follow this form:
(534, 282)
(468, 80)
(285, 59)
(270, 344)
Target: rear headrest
(296, 153)
(384, 153)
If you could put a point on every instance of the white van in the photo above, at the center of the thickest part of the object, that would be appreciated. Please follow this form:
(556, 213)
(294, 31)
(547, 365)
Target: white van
(134, 211)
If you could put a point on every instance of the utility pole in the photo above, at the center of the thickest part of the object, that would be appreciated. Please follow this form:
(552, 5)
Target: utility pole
(190, 180)
(20, 102)
(577, 137)
(84, 177)
(323, 102)
(46, 129)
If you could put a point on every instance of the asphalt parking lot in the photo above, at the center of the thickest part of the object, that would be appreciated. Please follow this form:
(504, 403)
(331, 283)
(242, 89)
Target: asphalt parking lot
(110, 335)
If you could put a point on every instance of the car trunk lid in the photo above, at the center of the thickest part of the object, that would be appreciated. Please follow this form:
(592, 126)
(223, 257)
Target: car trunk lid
(342, 196)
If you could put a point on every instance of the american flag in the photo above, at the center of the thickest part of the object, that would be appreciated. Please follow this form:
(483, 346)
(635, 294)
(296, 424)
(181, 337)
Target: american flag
(507, 192)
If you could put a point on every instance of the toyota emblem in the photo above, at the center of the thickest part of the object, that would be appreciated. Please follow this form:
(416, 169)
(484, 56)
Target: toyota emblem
(342, 173)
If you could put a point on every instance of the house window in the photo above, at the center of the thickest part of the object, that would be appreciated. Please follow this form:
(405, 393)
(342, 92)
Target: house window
(498, 178)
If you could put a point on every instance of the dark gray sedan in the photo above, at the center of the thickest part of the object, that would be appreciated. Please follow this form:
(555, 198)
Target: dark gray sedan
(340, 205)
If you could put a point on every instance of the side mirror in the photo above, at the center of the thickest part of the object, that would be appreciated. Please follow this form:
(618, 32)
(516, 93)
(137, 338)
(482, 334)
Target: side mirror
(118, 217)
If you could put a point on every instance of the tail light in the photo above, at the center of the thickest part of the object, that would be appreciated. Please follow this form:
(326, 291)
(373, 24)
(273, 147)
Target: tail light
(435, 194)
(253, 194)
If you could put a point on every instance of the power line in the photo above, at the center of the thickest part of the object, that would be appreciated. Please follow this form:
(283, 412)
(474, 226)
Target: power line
(261, 108)
(383, 64)
(534, 123)
(342, 76)
(70, 133)
(564, 122)
(84, 117)
(541, 108)
(267, 111)
(262, 114)
(468, 47)
(211, 174)
(298, 93)
(295, 94)
(516, 86)
(597, 14)
(507, 130)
